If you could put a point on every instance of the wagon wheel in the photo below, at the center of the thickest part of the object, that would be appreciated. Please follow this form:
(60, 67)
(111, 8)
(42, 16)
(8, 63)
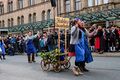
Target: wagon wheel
(56, 67)
(67, 65)
(45, 65)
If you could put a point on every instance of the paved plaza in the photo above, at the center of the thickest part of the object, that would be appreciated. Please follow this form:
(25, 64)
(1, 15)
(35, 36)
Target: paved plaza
(17, 68)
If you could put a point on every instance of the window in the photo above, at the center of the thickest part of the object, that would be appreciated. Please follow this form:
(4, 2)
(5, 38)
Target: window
(77, 4)
(106, 1)
(8, 22)
(97, 2)
(18, 20)
(31, 2)
(0, 24)
(90, 3)
(34, 17)
(22, 19)
(20, 4)
(67, 5)
(10, 6)
(12, 22)
(30, 18)
(48, 14)
(1, 8)
(43, 15)
(3, 23)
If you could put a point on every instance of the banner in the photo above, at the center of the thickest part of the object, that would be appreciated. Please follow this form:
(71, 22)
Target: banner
(61, 22)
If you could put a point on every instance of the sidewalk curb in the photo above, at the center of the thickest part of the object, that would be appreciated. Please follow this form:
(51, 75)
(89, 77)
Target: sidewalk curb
(115, 54)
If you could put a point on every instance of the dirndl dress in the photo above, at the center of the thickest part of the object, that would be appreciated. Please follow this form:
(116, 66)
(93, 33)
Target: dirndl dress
(30, 48)
(2, 47)
(82, 50)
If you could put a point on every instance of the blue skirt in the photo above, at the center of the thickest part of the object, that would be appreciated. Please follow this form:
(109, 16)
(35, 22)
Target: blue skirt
(3, 50)
(30, 50)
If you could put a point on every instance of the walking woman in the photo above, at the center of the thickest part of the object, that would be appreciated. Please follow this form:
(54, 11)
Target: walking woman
(73, 40)
(2, 49)
(30, 48)
(82, 51)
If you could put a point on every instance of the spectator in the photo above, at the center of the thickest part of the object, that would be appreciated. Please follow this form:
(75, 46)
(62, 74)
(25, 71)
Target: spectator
(99, 40)
(36, 43)
(50, 42)
(107, 39)
(92, 39)
(113, 38)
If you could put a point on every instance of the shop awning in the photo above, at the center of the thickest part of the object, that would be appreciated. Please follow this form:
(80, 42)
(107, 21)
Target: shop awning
(107, 15)
(32, 26)
(3, 29)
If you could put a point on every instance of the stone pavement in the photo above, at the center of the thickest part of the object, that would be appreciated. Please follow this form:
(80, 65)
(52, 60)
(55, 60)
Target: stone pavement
(17, 68)
(107, 54)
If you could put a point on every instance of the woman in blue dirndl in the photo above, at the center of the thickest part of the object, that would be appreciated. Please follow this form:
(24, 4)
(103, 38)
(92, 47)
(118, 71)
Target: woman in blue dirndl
(30, 48)
(82, 51)
(2, 49)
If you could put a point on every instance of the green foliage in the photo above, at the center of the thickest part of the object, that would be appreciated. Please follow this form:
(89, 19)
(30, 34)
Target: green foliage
(51, 55)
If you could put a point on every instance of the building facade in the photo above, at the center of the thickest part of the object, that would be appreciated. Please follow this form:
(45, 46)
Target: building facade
(76, 8)
(18, 12)
(22, 15)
